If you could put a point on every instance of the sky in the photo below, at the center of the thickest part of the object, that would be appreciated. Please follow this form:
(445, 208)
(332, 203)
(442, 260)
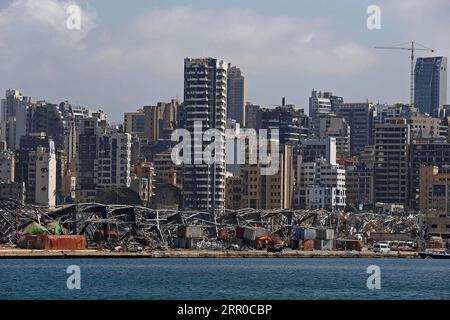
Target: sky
(128, 54)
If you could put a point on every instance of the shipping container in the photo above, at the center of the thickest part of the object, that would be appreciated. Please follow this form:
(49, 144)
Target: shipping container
(186, 243)
(194, 232)
(344, 244)
(298, 235)
(29, 241)
(253, 233)
(46, 242)
(295, 244)
(324, 234)
(309, 234)
(383, 236)
(307, 245)
(64, 242)
(324, 245)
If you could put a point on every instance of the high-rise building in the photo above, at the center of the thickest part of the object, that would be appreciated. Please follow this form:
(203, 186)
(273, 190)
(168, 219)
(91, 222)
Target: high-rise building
(359, 184)
(103, 160)
(134, 123)
(165, 170)
(319, 104)
(391, 161)
(291, 123)
(335, 126)
(321, 185)
(383, 112)
(233, 192)
(252, 116)
(25, 166)
(435, 189)
(275, 191)
(7, 163)
(114, 160)
(360, 118)
(159, 120)
(46, 117)
(12, 190)
(430, 84)
(13, 122)
(42, 174)
(36, 169)
(236, 95)
(429, 151)
(315, 148)
(9, 188)
(423, 126)
(205, 100)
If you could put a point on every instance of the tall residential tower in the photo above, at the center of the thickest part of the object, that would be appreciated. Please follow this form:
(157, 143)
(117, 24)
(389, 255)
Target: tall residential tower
(205, 100)
(236, 95)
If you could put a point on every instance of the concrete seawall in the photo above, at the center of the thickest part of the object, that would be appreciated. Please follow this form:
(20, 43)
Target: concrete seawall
(98, 254)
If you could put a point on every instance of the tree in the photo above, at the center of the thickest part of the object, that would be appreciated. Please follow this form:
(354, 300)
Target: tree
(119, 195)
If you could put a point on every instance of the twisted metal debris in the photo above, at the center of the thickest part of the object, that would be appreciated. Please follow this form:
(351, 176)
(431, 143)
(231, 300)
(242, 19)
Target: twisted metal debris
(110, 225)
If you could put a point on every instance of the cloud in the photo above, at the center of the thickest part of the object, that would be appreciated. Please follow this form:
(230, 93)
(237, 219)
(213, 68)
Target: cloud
(261, 44)
(422, 21)
(142, 61)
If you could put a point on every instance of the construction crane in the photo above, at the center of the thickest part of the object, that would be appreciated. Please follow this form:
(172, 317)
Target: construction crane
(412, 46)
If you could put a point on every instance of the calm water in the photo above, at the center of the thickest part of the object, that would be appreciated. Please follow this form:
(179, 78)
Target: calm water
(225, 279)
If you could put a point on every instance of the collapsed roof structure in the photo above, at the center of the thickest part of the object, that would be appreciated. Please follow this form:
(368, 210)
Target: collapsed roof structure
(109, 225)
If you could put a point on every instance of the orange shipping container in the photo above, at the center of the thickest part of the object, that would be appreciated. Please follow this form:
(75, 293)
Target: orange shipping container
(64, 242)
(354, 245)
(307, 245)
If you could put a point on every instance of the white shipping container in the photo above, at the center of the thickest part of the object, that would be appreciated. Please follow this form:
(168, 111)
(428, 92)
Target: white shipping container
(324, 244)
(309, 234)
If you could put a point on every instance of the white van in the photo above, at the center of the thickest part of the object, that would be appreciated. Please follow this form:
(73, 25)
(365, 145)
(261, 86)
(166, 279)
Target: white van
(381, 247)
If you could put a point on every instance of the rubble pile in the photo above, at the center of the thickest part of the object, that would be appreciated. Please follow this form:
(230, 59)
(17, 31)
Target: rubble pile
(120, 227)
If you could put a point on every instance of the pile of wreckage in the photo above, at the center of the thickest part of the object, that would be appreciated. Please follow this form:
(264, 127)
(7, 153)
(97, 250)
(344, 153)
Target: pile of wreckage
(128, 228)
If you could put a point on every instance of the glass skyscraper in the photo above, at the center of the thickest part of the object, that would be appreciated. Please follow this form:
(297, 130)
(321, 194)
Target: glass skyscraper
(430, 84)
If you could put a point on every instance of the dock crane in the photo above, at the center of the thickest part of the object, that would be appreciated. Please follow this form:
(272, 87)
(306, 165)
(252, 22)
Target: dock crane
(412, 46)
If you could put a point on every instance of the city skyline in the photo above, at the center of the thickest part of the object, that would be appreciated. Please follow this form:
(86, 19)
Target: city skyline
(124, 59)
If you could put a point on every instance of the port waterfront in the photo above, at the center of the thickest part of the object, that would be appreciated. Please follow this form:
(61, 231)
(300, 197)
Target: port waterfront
(12, 253)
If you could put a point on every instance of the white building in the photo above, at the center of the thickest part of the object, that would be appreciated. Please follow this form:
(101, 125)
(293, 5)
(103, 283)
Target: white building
(13, 118)
(319, 104)
(42, 176)
(321, 185)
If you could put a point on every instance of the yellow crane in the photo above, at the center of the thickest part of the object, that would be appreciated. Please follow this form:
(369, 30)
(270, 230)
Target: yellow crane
(412, 46)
